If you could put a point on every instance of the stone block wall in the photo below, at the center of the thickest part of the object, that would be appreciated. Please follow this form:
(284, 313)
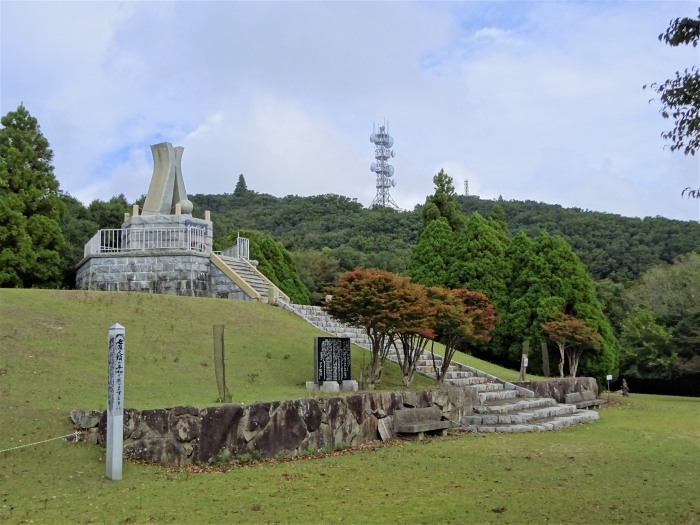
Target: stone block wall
(166, 272)
(184, 435)
(224, 288)
(558, 388)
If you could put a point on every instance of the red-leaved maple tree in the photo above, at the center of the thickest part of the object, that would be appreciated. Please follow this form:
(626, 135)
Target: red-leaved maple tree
(369, 298)
(461, 317)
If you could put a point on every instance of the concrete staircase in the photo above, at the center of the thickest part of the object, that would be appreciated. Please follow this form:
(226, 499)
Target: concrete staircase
(503, 406)
(247, 271)
(500, 412)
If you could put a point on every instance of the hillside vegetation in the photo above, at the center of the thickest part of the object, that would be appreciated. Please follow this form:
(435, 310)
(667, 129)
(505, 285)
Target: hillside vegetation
(329, 234)
(610, 246)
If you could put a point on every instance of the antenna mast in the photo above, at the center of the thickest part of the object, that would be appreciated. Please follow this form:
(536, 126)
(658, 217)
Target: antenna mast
(382, 153)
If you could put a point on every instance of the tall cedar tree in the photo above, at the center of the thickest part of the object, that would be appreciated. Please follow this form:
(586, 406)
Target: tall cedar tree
(550, 280)
(432, 254)
(443, 203)
(478, 261)
(241, 187)
(30, 206)
(572, 336)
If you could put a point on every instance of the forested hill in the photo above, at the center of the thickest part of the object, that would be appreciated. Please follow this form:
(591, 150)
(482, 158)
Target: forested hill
(611, 246)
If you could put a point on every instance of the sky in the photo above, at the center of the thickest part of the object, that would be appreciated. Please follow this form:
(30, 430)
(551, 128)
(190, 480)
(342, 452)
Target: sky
(538, 101)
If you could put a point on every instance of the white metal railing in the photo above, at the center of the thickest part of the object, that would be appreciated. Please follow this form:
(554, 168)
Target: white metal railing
(190, 238)
(240, 249)
(243, 247)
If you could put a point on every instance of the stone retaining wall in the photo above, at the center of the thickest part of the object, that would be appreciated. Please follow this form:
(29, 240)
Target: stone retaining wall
(184, 435)
(558, 388)
(167, 272)
(224, 288)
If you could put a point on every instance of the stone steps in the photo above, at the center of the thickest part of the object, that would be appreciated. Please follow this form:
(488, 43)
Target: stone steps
(483, 386)
(505, 406)
(450, 374)
(497, 395)
(538, 425)
(505, 413)
(248, 274)
(519, 417)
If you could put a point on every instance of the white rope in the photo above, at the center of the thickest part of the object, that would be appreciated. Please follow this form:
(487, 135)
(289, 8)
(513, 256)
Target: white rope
(76, 434)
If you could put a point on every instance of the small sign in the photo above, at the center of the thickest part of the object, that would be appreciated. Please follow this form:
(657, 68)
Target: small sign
(331, 359)
(115, 401)
(609, 378)
(525, 362)
(115, 364)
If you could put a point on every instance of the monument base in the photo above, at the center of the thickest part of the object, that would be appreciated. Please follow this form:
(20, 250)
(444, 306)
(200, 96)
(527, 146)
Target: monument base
(332, 386)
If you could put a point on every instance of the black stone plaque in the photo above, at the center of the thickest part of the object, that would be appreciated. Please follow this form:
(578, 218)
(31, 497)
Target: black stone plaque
(331, 359)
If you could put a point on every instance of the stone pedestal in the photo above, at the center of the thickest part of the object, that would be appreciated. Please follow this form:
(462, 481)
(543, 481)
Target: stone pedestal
(333, 386)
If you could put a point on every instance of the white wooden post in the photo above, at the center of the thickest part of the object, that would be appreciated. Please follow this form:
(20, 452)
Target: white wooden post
(115, 401)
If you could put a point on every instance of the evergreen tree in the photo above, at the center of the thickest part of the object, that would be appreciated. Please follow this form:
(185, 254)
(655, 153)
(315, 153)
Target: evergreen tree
(274, 262)
(478, 260)
(430, 257)
(77, 228)
(241, 187)
(517, 252)
(446, 202)
(552, 281)
(30, 206)
(497, 218)
(646, 346)
(109, 214)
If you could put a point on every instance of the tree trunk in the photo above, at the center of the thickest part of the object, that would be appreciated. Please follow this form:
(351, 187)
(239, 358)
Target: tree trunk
(573, 356)
(561, 359)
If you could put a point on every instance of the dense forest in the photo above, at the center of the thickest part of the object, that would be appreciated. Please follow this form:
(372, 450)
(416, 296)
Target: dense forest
(330, 234)
(347, 234)
(611, 246)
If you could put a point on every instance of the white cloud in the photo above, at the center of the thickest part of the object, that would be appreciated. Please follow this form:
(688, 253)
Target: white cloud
(537, 101)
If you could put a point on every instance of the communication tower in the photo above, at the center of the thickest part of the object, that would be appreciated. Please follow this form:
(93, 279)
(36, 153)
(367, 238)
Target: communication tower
(382, 153)
(466, 187)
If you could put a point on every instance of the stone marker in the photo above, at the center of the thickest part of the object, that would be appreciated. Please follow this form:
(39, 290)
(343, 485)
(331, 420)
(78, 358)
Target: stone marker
(115, 401)
(331, 365)
(331, 359)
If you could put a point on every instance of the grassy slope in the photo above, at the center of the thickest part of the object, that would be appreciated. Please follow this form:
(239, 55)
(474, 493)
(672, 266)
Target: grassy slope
(639, 464)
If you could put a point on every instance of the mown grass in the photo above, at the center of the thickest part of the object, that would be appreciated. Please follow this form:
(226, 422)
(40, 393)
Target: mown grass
(639, 464)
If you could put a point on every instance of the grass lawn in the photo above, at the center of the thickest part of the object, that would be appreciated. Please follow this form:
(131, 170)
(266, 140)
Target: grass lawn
(639, 464)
